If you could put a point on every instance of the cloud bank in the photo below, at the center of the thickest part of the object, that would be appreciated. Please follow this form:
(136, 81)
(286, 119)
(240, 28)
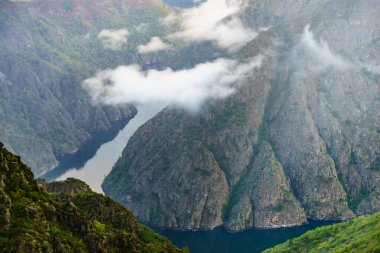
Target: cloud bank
(114, 39)
(188, 88)
(154, 45)
(322, 52)
(214, 20)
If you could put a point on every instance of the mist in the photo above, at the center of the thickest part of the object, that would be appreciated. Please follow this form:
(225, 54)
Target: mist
(114, 39)
(154, 45)
(187, 88)
(321, 51)
(216, 21)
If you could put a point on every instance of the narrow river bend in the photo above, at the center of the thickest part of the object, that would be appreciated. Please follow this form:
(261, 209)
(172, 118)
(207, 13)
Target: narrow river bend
(94, 170)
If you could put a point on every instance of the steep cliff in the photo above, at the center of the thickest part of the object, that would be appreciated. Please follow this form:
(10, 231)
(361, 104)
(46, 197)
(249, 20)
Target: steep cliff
(71, 219)
(299, 138)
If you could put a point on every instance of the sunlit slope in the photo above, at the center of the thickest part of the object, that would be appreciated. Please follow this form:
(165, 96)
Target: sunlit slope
(71, 219)
(360, 235)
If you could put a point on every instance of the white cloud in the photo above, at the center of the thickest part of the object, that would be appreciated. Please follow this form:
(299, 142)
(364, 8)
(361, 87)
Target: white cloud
(369, 67)
(265, 28)
(154, 45)
(141, 27)
(322, 52)
(2, 75)
(373, 69)
(87, 36)
(114, 39)
(214, 20)
(187, 88)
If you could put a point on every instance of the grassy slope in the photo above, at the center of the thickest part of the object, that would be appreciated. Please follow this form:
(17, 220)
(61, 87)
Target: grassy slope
(32, 220)
(359, 235)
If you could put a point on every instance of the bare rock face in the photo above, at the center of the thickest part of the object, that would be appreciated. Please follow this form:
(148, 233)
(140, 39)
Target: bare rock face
(70, 186)
(299, 138)
(190, 176)
(263, 198)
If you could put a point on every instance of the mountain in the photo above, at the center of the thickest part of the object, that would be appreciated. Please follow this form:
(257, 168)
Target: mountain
(47, 49)
(180, 3)
(299, 138)
(70, 219)
(360, 235)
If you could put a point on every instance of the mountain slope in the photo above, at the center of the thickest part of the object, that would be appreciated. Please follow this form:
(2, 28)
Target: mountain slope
(180, 3)
(299, 139)
(74, 220)
(47, 50)
(360, 235)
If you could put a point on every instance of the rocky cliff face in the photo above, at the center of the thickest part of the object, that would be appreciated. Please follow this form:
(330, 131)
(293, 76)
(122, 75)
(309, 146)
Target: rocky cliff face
(32, 220)
(299, 139)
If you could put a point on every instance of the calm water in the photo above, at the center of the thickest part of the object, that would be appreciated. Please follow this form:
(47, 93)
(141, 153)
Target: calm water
(249, 241)
(95, 160)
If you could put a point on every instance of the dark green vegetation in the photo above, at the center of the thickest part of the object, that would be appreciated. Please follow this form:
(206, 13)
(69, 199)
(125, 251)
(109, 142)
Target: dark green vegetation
(298, 139)
(70, 219)
(359, 235)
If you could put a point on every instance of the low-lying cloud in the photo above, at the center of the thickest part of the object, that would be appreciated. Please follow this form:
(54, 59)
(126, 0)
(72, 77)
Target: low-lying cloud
(188, 88)
(114, 39)
(154, 45)
(2, 75)
(321, 51)
(214, 20)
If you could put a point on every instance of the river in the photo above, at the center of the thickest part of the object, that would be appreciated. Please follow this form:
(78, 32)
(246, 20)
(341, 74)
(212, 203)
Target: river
(95, 161)
(248, 241)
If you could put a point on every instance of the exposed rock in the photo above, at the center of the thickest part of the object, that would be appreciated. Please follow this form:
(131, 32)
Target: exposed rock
(70, 186)
(263, 198)
(299, 139)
